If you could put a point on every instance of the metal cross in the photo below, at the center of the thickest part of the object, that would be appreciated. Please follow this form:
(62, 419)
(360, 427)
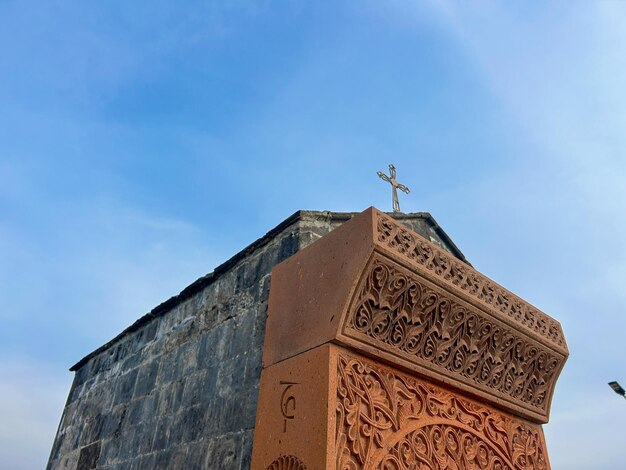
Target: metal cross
(391, 179)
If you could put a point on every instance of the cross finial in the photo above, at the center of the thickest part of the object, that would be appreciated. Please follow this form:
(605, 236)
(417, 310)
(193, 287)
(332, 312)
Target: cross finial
(391, 179)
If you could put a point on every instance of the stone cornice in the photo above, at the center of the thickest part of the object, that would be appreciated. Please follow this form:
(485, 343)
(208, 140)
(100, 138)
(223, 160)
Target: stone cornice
(466, 281)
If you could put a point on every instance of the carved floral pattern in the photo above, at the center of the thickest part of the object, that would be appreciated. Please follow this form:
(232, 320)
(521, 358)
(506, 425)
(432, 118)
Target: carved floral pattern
(406, 317)
(468, 280)
(387, 420)
(441, 446)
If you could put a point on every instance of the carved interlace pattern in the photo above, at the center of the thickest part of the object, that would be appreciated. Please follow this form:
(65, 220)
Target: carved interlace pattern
(387, 420)
(404, 316)
(467, 279)
(287, 462)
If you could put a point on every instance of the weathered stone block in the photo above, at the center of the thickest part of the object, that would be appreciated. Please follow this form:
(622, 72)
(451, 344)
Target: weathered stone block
(124, 387)
(89, 456)
(196, 456)
(162, 433)
(146, 378)
(224, 452)
(193, 423)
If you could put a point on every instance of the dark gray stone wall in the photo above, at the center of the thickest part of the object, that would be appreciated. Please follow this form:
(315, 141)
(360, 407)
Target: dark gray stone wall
(179, 388)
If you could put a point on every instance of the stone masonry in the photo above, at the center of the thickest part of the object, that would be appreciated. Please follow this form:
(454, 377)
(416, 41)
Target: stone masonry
(179, 387)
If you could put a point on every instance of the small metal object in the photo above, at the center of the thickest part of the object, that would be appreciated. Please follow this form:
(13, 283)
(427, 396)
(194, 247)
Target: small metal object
(617, 388)
(391, 179)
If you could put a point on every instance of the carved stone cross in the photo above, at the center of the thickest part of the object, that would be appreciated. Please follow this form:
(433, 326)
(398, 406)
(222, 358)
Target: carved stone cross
(391, 179)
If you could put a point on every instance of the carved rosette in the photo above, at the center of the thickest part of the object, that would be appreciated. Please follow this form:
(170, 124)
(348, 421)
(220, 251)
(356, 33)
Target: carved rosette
(388, 420)
(287, 462)
(404, 314)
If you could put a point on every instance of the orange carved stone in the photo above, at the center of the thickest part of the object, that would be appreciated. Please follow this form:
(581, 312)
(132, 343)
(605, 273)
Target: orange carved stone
(374, 286)
(351, 412)
(384, 352)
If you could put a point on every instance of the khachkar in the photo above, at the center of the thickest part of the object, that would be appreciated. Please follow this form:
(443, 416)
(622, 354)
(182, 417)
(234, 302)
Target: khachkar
(383, 351)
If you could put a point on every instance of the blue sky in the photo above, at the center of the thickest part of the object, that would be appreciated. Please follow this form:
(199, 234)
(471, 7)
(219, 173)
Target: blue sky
(144, 143)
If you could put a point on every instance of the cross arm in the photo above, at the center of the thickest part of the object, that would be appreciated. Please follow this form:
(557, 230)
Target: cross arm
(403, 188)
(383, 176)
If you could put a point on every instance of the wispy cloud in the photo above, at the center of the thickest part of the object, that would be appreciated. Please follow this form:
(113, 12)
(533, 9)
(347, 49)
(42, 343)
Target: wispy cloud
(32, 395)
(100, 265)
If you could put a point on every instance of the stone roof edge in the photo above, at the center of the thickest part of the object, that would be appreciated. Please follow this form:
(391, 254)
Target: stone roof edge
(211, 277)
